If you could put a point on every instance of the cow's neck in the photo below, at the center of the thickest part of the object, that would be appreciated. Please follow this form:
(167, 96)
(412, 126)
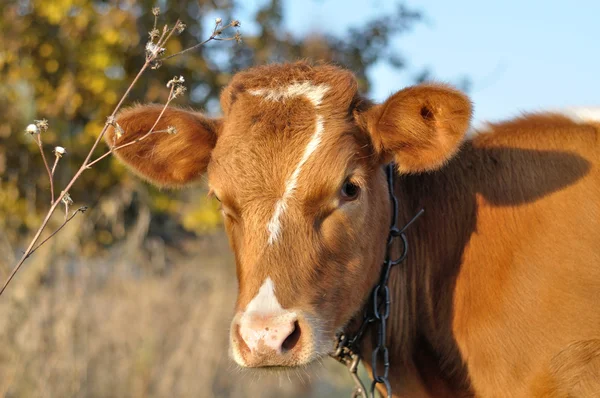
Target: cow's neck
(425, 359)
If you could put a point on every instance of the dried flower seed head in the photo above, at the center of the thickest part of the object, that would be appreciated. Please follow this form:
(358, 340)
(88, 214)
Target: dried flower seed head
(180, 27)
(218, 21)
(32, 129)
(112, 121)
(171, 130)
(156, 64)
(175, 81)
(154, 34)
(176, 86)
(179, 90)
(59, 151)
(238, 37)
(42, 125)
(118, 130)
(156, 11)
(235, 23)
(153, 50)
(67, 200)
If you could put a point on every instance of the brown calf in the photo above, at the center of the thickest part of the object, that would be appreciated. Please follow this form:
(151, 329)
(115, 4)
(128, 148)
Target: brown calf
(500, 295)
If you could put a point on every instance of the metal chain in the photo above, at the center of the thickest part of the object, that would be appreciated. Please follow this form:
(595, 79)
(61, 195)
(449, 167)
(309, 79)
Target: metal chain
(378, 311)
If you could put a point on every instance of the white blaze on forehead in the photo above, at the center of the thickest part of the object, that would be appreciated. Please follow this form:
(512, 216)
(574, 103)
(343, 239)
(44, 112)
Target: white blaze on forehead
(274, 224)
(315, 94)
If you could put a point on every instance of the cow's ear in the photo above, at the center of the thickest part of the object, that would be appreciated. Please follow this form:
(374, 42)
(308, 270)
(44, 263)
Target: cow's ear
(166, 158)
(420, 127)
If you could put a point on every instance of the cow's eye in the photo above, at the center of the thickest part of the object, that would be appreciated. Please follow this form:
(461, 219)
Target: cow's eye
(350, 190)
(212, 193)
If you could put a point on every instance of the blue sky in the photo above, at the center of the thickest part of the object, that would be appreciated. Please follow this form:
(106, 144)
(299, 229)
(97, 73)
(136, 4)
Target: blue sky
(520, 55)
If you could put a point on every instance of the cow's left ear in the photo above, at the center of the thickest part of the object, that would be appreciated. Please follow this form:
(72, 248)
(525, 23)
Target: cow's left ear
(420, 127)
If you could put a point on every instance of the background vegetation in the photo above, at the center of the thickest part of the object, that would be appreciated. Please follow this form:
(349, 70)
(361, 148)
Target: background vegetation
(133, 299)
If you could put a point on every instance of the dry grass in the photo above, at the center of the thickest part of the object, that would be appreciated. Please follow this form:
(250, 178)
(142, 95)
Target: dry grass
(143, 321)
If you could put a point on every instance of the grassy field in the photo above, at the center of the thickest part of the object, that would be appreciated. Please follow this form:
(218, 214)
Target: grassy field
(142, 320)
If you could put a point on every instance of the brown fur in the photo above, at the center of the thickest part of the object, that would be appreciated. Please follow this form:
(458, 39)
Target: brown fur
(499, 295)
(164, 159)
(419, 127)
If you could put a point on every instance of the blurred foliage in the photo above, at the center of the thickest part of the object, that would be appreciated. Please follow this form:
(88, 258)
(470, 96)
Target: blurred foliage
(69, 61)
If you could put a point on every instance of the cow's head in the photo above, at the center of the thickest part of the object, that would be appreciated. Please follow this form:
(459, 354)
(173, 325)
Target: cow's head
(296, 162)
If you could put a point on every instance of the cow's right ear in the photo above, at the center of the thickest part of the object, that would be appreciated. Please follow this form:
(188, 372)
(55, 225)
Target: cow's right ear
(167, 160)
(420, 127)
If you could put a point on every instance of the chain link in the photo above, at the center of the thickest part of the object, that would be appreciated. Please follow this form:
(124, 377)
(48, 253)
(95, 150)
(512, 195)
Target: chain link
(347, 349)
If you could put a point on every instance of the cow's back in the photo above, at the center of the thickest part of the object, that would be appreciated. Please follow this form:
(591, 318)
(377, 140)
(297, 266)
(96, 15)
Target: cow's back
(525, 305)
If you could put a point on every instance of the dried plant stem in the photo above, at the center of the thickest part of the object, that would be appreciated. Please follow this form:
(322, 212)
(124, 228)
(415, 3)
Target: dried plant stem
(58, 200)
(50, 173)
(80, 210)
(160, 44)
(150, 59)
(56, 159)
(162, 35)
(27, 252)
(190, 48)
(115, 148)
(112, 115)
(214, 36)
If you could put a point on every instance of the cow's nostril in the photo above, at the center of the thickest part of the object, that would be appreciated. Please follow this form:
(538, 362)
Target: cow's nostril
(290, 342)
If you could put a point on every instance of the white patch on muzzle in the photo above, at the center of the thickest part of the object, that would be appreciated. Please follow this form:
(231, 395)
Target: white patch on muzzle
(265, 300)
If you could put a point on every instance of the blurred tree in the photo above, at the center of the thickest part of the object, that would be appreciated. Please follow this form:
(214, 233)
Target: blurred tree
(70, 60)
